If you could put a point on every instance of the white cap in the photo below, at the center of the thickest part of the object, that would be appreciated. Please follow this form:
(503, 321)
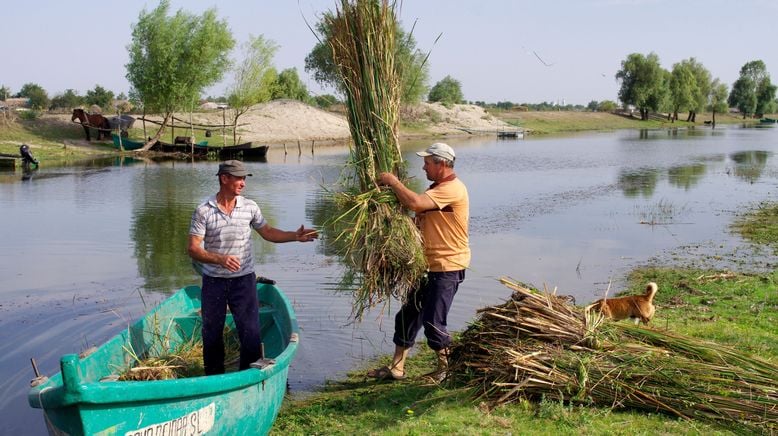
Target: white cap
(439, 149)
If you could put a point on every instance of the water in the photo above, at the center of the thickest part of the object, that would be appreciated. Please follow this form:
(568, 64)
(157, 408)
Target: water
(88, 248)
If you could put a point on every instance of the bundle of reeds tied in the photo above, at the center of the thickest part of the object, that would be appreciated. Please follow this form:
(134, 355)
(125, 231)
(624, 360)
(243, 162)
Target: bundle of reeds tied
(537, 346)
(381, 244)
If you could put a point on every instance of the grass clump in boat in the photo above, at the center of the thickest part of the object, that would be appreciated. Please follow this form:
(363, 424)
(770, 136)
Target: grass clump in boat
(538, 347)
(381, 245)
(160, 362)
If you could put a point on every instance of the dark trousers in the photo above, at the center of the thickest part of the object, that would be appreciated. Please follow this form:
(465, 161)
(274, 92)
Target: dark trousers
(428, 307)
(240, 295)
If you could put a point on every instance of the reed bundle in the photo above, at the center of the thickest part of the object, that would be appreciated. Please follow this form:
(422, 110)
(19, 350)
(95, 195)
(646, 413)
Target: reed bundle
(186, 360)
(381, 244)
(538, 346)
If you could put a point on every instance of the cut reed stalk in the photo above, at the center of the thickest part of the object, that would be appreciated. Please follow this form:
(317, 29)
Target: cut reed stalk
(381, 244)
(536, 346)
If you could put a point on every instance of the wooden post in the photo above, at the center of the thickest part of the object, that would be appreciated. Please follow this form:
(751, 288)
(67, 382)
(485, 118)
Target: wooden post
(312, 141)
(224, 126)
(285, 153)
(299, 149)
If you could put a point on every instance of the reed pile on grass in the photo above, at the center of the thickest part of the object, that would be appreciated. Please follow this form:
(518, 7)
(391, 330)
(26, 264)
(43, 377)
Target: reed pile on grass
(382, 246)
(537, 346)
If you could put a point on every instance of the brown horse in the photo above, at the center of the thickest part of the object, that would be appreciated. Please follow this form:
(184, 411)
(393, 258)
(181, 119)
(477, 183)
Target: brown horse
(96, 121)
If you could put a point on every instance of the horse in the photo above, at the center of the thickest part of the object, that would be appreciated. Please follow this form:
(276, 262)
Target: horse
(95, 121)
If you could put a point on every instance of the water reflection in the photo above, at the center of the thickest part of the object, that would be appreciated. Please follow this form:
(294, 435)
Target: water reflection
(640, 182)
(749, 165)
(686, 176)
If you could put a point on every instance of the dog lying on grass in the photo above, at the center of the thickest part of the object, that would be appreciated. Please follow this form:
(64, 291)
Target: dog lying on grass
(638, 307)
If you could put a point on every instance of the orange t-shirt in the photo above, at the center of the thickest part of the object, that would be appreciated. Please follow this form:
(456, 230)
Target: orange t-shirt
(444, 229)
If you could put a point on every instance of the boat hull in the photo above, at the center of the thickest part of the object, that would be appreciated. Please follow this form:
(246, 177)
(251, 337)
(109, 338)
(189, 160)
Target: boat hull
(76, 401)
(126, 144)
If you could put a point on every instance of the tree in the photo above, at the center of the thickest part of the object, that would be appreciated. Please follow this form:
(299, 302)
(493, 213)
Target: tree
(67, 100)
(99, 96)
(642, 83)
(255, 77)
(325, 101)
(288, 85)
(413, 70)
(448, 91)
(36, 95)
(752, 92)
(607, 106)
(683, 89)
(5, 92)
(717, 100)
(172, 59)
(743, 96)
(703, 88)
(592, 106)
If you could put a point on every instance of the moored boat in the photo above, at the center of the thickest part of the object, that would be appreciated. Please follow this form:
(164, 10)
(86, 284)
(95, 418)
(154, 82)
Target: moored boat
(246, 150)
(768, 120)
(85, 398)
(127, 144)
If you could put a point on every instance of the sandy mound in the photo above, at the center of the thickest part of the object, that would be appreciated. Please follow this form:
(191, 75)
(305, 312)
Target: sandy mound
(449, 121)
(289, 121)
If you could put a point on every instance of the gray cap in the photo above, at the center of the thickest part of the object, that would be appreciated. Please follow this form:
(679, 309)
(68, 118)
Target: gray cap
(439, 149)
(233, 168)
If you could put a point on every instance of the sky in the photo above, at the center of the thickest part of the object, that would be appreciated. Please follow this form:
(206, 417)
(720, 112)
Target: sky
(560, 51)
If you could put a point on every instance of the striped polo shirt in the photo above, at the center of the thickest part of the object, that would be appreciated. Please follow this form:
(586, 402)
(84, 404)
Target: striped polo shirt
(227, 234)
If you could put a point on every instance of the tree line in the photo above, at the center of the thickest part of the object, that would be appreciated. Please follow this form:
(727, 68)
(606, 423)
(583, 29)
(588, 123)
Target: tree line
(688, 87)
(175, 57)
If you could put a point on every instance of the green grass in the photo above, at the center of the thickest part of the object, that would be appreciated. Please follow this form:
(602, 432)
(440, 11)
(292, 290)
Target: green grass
(738, 310)
(568, 122)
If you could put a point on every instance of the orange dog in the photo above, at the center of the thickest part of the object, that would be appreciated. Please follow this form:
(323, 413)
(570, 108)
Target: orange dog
(637, 307)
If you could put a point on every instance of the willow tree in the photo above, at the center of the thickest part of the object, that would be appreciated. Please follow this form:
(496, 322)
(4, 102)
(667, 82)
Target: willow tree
(717, 99)
(174, 58)
(254, 78)
(643, 83)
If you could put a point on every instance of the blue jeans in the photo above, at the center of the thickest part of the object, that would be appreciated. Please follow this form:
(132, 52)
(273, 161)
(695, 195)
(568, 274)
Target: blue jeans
(428, 307)
(240, 295)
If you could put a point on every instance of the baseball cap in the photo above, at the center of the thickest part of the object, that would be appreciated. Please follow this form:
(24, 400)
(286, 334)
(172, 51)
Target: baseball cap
(439, 149)
(233, 168)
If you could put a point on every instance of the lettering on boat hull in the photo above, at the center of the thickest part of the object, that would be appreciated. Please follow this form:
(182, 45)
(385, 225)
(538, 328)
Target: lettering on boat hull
(193, 423)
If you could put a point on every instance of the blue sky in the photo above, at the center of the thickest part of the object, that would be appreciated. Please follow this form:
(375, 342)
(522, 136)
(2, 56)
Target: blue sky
(500, 50)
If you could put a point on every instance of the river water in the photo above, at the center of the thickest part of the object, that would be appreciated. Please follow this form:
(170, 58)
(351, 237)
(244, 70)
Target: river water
(89, 247)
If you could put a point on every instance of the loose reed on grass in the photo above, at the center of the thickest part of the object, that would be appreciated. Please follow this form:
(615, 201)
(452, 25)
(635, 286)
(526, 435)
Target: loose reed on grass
(537, 346)
(382, 246)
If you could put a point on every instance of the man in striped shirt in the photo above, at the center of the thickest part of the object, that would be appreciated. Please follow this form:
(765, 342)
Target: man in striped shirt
(220, 241)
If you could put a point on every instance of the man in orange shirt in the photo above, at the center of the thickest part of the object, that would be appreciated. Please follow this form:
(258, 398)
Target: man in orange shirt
(443, 214)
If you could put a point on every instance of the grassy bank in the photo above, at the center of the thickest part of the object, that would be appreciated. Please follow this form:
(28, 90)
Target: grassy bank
(539, 123)
(735, 309)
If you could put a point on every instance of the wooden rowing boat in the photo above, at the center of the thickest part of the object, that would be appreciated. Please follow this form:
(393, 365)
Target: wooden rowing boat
(85, 398)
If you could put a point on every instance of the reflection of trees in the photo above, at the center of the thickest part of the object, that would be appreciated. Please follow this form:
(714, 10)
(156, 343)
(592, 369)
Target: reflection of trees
(686, 176)
(160, 228)
(638, 182)
(750, 164)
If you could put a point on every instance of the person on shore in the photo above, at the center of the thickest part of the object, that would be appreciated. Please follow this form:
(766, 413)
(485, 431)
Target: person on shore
(220, 243)
(442, 213)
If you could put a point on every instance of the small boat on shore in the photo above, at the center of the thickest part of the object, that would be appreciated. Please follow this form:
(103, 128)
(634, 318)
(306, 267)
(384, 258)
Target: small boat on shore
(768, 120)
(246, 150)
(85, 397)
(127, 144)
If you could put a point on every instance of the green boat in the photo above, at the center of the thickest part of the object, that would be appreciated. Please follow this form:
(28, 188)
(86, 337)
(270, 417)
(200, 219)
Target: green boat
(127, 144)
(768, 120)
(85, 397)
